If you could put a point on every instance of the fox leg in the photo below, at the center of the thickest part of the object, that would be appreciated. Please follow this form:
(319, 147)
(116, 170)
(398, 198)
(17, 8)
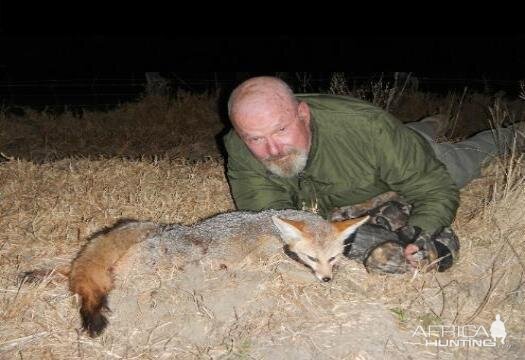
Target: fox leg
(357, 210)
(382, 250)
(379, 249)
(386, 258)
(434, 251)
(392, 215)
(377, 244)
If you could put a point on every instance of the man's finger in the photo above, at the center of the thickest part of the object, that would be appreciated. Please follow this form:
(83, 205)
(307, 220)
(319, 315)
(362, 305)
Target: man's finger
(410, 250)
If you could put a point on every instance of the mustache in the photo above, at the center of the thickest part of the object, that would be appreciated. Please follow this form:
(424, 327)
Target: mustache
(288, 164)
(276, 158)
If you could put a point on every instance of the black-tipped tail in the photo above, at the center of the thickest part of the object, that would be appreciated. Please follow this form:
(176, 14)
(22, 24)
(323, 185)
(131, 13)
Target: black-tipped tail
(94, 320)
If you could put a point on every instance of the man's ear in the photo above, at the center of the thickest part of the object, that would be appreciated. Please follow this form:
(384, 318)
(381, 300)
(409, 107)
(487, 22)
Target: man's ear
(304, 112)
(347, 227)
(290, 230)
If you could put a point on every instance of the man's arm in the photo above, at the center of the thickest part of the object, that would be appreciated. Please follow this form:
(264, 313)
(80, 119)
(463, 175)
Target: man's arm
(251, 191)
(408, 165)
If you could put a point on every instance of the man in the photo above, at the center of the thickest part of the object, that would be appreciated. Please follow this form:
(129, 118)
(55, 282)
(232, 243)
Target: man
(325, 151)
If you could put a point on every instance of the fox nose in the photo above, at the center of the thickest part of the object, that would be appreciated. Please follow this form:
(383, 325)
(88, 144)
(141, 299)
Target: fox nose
(327, 279)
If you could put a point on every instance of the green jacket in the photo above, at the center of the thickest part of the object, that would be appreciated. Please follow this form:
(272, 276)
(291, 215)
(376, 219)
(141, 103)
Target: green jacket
(358, 151)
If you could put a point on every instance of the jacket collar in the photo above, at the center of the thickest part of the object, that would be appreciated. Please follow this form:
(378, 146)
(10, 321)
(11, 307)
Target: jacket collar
(313, 143)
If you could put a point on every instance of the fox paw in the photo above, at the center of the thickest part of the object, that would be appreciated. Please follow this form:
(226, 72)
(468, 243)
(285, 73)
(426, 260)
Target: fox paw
(347, 212)
(387, 258)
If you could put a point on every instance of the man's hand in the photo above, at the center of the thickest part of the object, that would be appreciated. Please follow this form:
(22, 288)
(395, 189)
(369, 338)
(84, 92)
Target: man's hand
(413, 255)
(419, 252)
(429, 251)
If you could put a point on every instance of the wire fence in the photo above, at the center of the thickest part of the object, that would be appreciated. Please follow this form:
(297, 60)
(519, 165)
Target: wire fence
(109, 92)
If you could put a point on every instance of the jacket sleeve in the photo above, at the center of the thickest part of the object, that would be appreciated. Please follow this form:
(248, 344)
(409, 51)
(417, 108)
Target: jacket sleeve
(251, 188)
(407, 164)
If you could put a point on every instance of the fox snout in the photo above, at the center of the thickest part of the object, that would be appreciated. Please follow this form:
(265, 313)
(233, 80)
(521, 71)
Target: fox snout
(323, 272)
(326, 278)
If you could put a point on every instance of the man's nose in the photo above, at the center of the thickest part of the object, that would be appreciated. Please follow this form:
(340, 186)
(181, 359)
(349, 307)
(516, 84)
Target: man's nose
(272, 147)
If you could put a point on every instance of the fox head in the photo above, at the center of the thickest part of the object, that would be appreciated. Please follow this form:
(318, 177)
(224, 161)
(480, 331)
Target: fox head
(318, 245)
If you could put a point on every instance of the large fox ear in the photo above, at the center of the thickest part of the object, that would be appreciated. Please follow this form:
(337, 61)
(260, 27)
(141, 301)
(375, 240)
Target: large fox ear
(347, 227)
(290, 230)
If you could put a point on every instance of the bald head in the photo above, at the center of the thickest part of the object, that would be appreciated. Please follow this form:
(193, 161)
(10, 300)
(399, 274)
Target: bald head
(263, 93)
(272, 123)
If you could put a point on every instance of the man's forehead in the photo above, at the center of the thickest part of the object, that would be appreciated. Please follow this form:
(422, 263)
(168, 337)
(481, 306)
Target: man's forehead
(260, 113)
(263, 125)
(250, 106)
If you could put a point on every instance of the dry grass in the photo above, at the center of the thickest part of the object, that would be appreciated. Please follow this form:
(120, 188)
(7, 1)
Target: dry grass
(183, 126)
(261, 311)
(469, 110)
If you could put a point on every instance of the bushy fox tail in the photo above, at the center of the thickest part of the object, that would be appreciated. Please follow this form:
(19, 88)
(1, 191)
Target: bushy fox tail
(91, 272)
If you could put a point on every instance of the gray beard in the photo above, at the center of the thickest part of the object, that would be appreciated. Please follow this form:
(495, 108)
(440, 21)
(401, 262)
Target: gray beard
(292, 167)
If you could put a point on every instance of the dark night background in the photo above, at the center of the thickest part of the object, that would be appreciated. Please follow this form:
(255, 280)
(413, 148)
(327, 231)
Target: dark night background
(98, 69)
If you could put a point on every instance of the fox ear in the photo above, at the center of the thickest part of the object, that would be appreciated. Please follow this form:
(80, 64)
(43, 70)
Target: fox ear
(347, 227)
(290, 230)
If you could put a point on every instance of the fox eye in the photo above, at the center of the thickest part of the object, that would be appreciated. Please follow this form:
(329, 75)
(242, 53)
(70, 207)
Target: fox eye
(331, 259)
(312, 258)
